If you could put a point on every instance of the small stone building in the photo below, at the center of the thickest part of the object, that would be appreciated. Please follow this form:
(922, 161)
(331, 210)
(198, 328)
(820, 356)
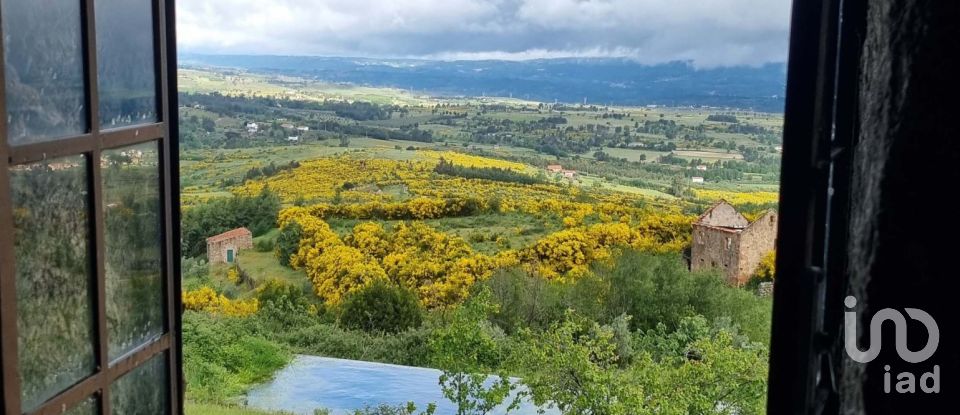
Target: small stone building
(724, 239)
(223, 248)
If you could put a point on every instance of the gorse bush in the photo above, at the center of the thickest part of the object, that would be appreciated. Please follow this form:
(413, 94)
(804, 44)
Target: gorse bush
(207, 299)
(381, 307)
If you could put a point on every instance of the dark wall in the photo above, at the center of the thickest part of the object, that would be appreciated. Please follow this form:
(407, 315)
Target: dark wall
(904, 232)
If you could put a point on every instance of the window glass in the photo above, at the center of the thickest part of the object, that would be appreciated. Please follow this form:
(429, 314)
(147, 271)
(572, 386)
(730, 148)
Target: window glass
(125, 60)
(44, 70)
(53, 268)
(143, 391)
(131, 210)
(87, 407)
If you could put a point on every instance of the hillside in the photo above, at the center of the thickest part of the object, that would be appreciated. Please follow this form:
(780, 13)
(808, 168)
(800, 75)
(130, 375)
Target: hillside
(598, 81)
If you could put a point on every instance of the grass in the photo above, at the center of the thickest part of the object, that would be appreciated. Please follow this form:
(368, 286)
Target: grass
(706, 155)
(263, 266)
(481, 231)
(252, 84)
(192, 408)
(634, 154)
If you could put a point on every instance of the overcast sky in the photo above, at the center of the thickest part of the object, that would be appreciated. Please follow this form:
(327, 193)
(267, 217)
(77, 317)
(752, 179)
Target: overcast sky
(708, 33)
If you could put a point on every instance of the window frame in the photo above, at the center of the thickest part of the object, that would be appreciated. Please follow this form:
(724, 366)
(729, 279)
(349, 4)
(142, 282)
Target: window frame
(92, 143)
(820, 130)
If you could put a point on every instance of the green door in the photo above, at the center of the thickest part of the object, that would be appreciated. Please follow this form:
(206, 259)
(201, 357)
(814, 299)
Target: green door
(230, 255)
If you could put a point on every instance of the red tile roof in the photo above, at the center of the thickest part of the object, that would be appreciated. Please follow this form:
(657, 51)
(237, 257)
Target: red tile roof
(229, 235)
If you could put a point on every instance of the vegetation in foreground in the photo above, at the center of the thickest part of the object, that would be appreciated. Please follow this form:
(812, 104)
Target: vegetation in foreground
(624, 347)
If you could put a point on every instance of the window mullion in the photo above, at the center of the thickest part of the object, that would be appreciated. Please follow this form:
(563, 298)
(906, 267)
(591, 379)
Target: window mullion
(9, 371)
(10, 379)
(96, 205)
(165, 50)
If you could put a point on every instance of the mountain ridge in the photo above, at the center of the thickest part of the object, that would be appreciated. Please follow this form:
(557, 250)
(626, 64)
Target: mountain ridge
(601, 81)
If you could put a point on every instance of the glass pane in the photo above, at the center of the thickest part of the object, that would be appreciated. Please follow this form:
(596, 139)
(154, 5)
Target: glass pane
(143, 391)
(44, 69)
(131, 210)
(55, 308)
(125, 60)
(87, 407)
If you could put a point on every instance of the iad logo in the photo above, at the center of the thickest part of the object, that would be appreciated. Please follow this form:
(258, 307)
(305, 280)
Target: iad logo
(906, 381)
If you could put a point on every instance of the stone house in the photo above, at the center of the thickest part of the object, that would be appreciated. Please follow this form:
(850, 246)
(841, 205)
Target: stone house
(223, 248)
(725, 240)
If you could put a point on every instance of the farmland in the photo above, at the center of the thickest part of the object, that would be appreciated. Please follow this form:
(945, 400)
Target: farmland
(475, 235)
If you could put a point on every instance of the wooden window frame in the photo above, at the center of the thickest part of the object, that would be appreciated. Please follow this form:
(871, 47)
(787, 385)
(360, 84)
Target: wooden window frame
(820, 130)
(92, 143)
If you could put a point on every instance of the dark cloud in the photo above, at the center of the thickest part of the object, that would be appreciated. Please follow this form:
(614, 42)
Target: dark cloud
(705, 32)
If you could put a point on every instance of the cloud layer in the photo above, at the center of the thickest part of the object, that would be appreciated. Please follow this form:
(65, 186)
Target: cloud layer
(708, 33)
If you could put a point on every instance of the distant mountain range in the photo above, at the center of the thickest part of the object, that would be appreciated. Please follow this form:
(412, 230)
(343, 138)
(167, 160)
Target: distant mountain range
(599, 81)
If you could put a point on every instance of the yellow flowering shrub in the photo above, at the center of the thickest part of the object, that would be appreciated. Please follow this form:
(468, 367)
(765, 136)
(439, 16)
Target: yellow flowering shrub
(206, 299)
(663, 233)
(562, 255)
(340, 270)
(738, 198)
(767, 269)
(439, 267)
(442, 267)
(468, 160)
(233, 275)
(370, 238)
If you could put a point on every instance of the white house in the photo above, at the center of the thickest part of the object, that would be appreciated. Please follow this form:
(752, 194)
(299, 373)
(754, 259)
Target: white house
(252, 127)
(697, 179)
(303, 128)
(293, 139)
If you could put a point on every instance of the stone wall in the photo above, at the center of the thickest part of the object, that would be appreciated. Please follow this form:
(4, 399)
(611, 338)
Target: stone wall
(715, 248)
(756, 241)
(725, 215)
(217, 250)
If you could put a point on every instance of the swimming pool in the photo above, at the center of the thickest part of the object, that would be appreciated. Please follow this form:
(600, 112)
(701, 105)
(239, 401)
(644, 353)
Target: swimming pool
(312, 382)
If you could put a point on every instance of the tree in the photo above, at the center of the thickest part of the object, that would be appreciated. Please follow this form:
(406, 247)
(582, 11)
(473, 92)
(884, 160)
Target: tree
(467, 350)
(208, 125)
(574, 367)
(381, 307)
(288, 242)
(258, 213)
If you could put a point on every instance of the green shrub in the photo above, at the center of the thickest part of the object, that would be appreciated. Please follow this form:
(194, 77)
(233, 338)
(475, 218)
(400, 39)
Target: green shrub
(223, 357)
(405, 348)
(659, 289)
(287, 243)
(651, 288)
(381, 307)
(264, 244)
